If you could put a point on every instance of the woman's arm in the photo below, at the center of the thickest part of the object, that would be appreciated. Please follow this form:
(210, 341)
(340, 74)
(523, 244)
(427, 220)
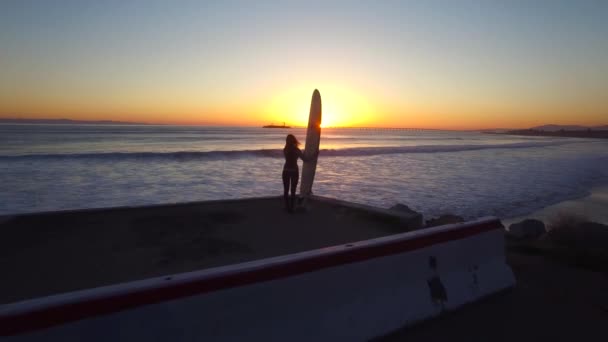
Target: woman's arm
(307, 158)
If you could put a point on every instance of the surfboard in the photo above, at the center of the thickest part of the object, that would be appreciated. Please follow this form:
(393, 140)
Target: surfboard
(311, 148)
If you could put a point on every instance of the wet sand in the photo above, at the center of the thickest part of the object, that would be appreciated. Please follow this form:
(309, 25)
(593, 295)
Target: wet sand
(593, 207)
(52, 253)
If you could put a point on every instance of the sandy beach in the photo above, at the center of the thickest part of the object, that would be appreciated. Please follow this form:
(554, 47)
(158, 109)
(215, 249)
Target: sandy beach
(591, 207)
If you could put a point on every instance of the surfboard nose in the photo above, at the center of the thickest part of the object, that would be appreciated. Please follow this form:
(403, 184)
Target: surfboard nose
(315, 110)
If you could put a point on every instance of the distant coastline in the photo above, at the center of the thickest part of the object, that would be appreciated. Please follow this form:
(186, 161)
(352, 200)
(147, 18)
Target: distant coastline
(566, 131)
(561, 133)
(68, 122)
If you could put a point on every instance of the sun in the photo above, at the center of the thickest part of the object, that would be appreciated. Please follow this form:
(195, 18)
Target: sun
(330, 119)
(341, 107)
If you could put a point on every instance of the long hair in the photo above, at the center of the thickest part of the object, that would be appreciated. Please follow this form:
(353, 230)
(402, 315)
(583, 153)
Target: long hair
(291, 141)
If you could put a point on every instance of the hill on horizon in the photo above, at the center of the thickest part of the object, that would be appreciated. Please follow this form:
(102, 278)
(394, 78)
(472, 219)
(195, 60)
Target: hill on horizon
(69, 122)
(555, 128)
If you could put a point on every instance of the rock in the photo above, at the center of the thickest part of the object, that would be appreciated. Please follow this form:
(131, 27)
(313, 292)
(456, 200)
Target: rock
(410, 218)
(403, 208)
(585, 235)
(528, 228)
(444, 219)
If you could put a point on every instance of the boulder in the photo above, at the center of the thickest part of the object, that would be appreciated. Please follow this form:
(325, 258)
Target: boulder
(410, 218)
(585, 235)
(444, 219)
(528, 228)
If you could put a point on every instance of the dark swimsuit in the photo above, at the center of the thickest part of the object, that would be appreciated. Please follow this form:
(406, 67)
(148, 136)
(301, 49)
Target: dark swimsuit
(291, 173)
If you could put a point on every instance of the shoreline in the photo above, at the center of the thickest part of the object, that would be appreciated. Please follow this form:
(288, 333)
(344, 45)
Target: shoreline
(591, 207)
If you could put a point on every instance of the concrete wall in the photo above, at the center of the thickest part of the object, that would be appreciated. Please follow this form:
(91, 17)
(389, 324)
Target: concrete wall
(350, 292)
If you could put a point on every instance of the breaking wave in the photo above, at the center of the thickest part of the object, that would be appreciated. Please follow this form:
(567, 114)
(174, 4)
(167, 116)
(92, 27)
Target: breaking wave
(277, 153)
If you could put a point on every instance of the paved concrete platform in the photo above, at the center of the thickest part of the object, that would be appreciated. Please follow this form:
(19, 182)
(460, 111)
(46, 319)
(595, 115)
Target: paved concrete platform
(50, 253)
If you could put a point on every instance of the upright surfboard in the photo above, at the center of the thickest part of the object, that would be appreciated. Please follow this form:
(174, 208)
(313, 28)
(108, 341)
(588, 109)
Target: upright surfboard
(311, 149)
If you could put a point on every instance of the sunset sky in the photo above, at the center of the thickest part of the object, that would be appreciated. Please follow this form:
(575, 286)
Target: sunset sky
(448, 64)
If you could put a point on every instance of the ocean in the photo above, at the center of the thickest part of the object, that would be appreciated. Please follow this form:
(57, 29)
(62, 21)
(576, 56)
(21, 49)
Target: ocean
(472, 174)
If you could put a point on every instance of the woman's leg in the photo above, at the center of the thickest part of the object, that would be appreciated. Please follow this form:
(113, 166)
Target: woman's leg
(286, 178)
(294, 184)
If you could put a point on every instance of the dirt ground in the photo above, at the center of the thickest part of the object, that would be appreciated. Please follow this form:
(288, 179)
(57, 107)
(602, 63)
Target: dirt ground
(551, 302)
(53, 253)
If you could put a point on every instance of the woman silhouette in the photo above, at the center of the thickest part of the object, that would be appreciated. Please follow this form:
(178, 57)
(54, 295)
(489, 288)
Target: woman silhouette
(291, 173)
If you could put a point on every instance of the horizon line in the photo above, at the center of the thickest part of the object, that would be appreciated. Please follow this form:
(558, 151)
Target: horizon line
(58, 121)
(65, 121)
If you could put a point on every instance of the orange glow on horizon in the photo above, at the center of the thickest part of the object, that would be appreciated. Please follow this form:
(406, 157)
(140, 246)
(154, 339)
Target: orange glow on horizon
(343, 106)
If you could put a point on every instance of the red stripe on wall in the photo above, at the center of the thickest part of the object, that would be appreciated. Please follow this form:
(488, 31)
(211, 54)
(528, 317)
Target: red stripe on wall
(48, 316)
